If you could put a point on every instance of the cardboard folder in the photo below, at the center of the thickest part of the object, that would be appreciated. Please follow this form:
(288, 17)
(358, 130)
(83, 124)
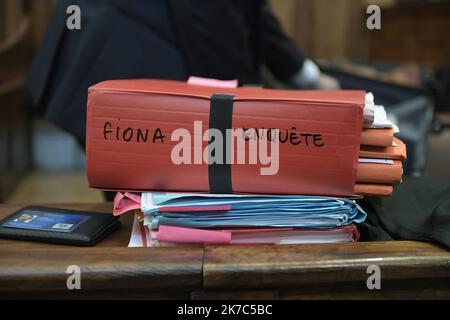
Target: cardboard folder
(130, 126)
(380, 173)
(394, 152)
(374, 189)
(377, 137)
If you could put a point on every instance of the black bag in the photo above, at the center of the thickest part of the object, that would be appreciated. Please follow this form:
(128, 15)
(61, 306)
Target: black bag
(419, 209)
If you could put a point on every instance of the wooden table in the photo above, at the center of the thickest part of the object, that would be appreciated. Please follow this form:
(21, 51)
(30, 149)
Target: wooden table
(111, 270)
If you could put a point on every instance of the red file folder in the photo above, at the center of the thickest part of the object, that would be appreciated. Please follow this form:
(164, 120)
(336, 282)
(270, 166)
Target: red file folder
(379, 173)
(397, 152)
(377, 137)
(374, 189)
(130, 123)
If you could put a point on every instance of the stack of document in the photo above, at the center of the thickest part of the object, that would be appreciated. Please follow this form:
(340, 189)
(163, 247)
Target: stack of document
(380, 157)
(190, 218)
(322, 145)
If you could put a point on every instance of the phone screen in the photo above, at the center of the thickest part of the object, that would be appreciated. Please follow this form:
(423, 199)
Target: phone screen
(48, 221)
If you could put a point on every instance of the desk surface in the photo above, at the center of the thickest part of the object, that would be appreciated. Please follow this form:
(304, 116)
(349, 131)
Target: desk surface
(111, 270)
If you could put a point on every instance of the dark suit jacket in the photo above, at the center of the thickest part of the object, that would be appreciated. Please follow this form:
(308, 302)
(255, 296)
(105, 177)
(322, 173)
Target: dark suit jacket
(166, 39)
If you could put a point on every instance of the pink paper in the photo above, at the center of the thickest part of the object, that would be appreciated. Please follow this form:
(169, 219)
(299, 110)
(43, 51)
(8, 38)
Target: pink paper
(127, 201)
(188, 235)
(249, 230)
(195, 208)
(181, 235)
(207, 82)
(124, 202)
(135, 197)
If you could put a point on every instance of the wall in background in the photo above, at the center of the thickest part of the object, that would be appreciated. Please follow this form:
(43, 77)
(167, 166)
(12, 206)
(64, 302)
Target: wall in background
(13, 12)
(411, 31)
(21, 26)
(325, 29)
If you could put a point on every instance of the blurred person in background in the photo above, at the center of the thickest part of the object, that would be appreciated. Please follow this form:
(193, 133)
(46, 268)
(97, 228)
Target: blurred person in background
(164, 39)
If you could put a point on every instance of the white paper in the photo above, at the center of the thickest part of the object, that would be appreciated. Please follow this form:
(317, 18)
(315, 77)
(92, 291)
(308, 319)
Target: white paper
(370, 160)
(136, 235)
(380, 119)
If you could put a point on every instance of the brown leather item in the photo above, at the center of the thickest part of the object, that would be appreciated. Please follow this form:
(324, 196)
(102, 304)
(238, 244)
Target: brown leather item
(373, 189)
(130, 123)
(397, 152)
(379, 173)
(377, 137)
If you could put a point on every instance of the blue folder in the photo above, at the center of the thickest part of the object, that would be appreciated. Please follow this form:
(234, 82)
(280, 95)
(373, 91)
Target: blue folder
(252, 211)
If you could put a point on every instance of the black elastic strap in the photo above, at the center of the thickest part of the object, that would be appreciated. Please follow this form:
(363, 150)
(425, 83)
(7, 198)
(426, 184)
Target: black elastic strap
(220, 117)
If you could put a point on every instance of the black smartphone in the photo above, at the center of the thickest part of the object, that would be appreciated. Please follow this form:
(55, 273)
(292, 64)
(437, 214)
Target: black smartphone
(71, 227)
